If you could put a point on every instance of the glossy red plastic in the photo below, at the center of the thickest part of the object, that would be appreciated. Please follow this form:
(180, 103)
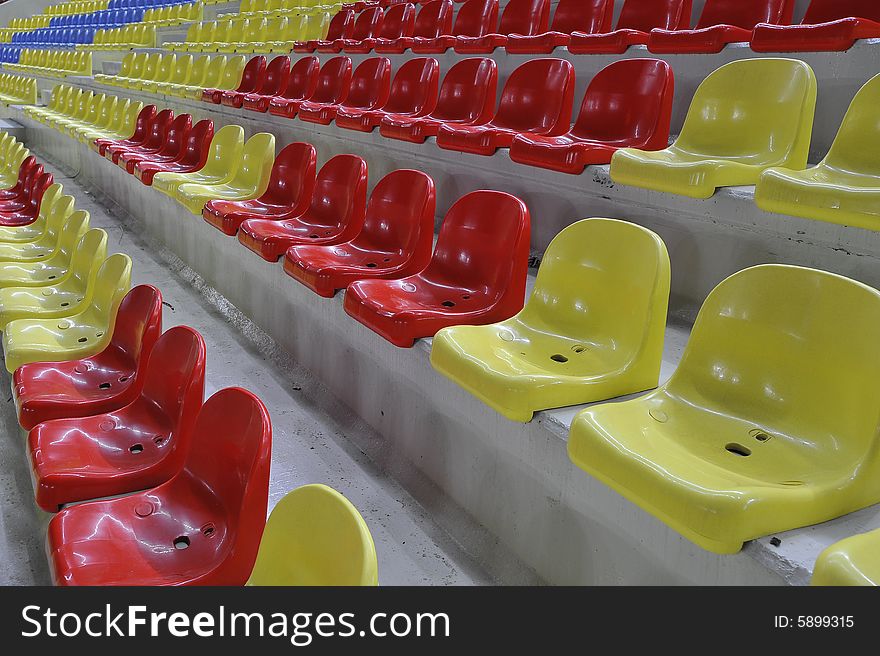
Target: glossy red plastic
(828, 25)
(274, 82)
(722, 22)
(251, 79)
(537, 99)
(585, 16)
(341, 27)
(335, 213)
(26, 212)
(203, 527)
(138, 446)
(476, 276)
(153, 138)
(394, 242)
(288, 194)
(637, 19)
(398, 22)
(143, 121)
(330, 87)
(526, 17)
(279, 74)
(20, 201)
(369, 88)
(172, 145)
(301, 83)
(466, 97)
(17, 190)
(105, 382)
(434, 19)
(192, 156)
(628, 104)
(474, 18)
(413, 94)
(366, 25)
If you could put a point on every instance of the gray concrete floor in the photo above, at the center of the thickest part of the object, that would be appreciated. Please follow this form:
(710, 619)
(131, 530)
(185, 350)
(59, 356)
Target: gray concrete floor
(312, 433)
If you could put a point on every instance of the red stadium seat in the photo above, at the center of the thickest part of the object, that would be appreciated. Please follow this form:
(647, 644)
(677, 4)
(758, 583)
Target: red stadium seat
(395, 241)
(273, 82)
(251, 80)
(153, 138)
(722, 22)
(192, 157)
(476, 276)
(467, 97)
(571, 16)
(335, 213)
(341, 26)
(537, 99)
(18, 189)
(398, 22)
(526, 17)
(21, 200)
(287, 196)
(366, 24)
(627, 105)
(19, 214)
(828, 25)
(301, 81)
(433, 20)
(142, 123)
(203, 527)
(171, 148)
(369, 88)
(474, 18)
(131, 448)
(637, 19)
(105, 382)
(413, 94)
(330, 87)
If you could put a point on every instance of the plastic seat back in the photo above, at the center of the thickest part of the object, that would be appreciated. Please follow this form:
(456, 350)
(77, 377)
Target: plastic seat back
(74, 228)
(225, 151)
(110, 285)
(215, 72)
(367, 24)
(275, 79)
(414, 87)
(198, 72)
(89, 254)
(341, 26)
(293, 177)
(334, 81)
(158, 129)
(229, 458)
(253, 75)
(825, 11)
(182, 69)
(370, 83)
(628, 103)
(303, 78)
(476, 18)
(481, 243)
(315, 536)
(138, 326)
(526, 17)
(757, 111)
(398, 21)
(107, 112)
(538, 97)
(255, 165)
(340, 191)
(165, 69)
(645, 15)
(855, 147)
(196, 147)
(572, 16)
(467, 93)
(233, 72)
(151, 67)
(745, 13)
(175, 138)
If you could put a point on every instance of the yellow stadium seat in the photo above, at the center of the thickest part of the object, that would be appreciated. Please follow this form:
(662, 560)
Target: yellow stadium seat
(213, 76)
(315, 537)
(223, 158)
(845, 186)
(62, 299)
(853, 561)
(593, 329)
(41, 225)
(75, 337)
(53, 268)
(151, 67)
(122, 127)
(745, 117)
(248, 179)
(768, 424)
(180, 74)
(164, 71)
(106, 115)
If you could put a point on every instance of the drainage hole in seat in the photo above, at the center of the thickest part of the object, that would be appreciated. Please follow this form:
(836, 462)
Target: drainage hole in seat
(181, 542)
(448, 304)
(83, 339)
(578, 348)
(122, 379)
(738, 449)
(387, 259)
(159, 440)
(759, 435)
(100, 334)
(371, 265)
(558, 357)
(313, 236)
(65, 304)
(136, 448)
(208, 530)
(104, 386)
(466, 296)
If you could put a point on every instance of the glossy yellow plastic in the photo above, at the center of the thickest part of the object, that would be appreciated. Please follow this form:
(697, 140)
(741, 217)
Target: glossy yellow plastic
(109, 113)
(45, 244)
(225, 42)
(48, 215)
(75, 106)
(81, 335)
(58, 99)
(55, 267)
(9, 177)
(745, 117)
(125, 69)
(164, 71)
(123, 127)
(845, 186)
(180, 75)
(148, 72)
(853, 561)
(69, 296)
(293, 30)
(87, 104)
(592, 330)
(277, 30)
(315, 537)
(92, 112)
(770, 421)
(232, 72)
(223, 159)
(213, 76)
(247, 180)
